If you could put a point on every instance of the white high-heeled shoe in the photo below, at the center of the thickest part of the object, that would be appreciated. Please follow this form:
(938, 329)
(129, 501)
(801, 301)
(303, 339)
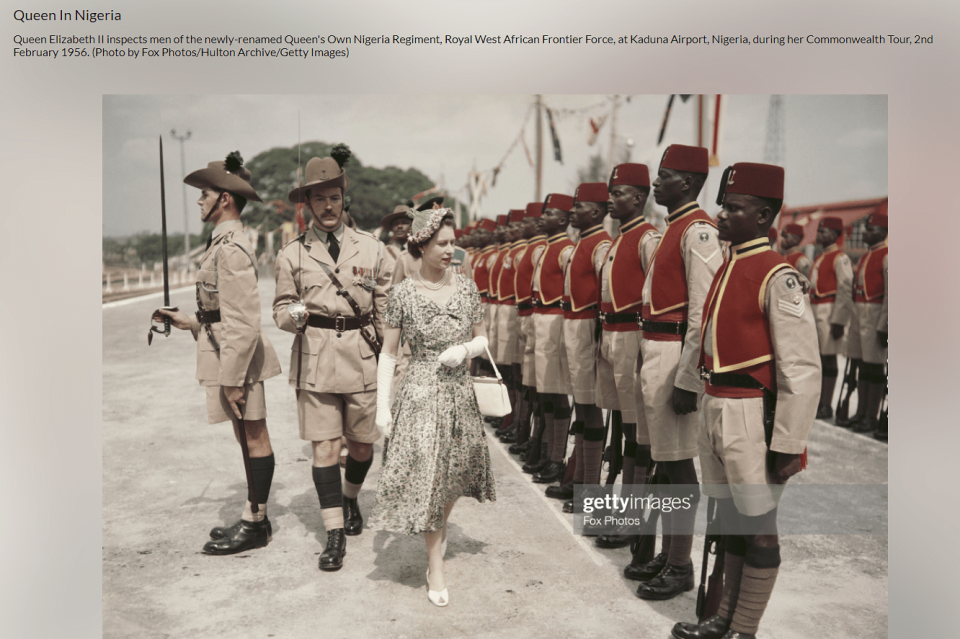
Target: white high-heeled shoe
(439, 598)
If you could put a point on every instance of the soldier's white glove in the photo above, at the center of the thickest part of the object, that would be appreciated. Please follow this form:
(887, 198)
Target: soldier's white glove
(385, 370)
(455, 355)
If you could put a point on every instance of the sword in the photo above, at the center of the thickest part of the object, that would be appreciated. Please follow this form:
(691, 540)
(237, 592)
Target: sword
(163, 245)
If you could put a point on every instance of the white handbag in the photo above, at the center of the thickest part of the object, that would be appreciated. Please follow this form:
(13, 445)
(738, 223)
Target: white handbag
(492, 396)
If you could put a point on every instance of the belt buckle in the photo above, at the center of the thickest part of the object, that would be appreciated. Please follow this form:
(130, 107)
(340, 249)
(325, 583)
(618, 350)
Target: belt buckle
(340, 323)
(603, 316)
(705, 374)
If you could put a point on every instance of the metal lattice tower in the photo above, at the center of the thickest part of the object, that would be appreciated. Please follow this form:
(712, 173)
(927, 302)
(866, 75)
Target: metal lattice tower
(774, 151)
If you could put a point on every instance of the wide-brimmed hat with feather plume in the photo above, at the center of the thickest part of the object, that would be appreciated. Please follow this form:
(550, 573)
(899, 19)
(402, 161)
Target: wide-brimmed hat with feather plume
(226, 175)
(324, 172)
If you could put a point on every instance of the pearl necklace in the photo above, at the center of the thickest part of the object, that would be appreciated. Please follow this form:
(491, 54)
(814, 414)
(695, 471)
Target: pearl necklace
(433, 286)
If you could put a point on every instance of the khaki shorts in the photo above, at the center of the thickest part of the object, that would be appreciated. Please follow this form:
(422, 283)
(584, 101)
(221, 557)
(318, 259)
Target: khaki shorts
(870, 349)
(326, 416)
(528, 339)
(617, 387)
(828, 345)
(733, 454)
(582, 358)
(672, 437)
(219, 410)
(508, 335)
(551, 355)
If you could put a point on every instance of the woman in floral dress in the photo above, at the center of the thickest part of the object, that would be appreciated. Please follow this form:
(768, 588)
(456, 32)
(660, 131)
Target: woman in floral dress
(437, 450)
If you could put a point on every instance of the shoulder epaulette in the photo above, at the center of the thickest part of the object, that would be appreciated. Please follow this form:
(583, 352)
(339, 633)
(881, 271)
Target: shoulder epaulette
(296, 239)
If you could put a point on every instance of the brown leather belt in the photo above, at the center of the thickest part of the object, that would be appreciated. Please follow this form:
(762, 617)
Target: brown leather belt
(670, 328)
(339, 323)
(208, 317)
(524, 306)
(619, 318)
(729, 379)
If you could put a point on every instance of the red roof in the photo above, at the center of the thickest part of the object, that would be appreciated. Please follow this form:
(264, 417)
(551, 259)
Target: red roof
(808, 216)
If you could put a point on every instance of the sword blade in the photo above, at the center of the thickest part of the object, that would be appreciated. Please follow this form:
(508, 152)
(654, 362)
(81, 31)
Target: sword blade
(163, 231)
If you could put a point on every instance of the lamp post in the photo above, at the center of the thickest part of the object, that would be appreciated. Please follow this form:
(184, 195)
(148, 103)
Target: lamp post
(183, 174)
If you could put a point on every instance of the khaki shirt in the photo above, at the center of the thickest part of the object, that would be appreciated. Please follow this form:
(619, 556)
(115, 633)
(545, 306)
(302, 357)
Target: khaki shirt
(404, 266)
(796, 350)
(332, 364)
(537, 254)
(804, 263)
(228, 281)
(702, 259)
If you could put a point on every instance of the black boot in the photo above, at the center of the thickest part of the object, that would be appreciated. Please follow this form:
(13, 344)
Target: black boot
(251, 534)
(352, 519)
(536, 467)
(552, 472)
(671, 582)
(733, 634)
(517, 449)
(563, 491)
(509, 437)
(647, 571)
(332, 556)
(614, 540)
(713, 628)
(568, 506)
(220, 532)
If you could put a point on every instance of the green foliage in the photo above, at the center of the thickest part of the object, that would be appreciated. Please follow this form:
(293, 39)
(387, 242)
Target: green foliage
(145, 248)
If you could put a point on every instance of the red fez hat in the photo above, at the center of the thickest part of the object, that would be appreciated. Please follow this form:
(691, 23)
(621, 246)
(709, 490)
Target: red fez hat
(487, 224)
(879, 217)
(692, 159)
(558, 201)
(591, 192)
(534, 209)
(516, 215)
(457, 233)
(793, 229)
(630, 175)
(834, 223)
(751, 178)
(501, 220)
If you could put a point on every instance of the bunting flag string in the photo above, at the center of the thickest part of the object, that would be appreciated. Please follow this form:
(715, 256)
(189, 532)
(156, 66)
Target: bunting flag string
(557, 155)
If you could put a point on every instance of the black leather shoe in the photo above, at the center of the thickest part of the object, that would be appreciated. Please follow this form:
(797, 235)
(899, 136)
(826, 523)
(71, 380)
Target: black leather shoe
(824, 412)
(352, 519)
(564, 491)
(647, 571)
(614, 541)
(250, 534)
(552, 472)
(568, 506)
(517, 449)
(733, 634)
(713, 628)
(531, 469)
(332, 556)
(221, 532)
(671, 582)
(510, 437)
(865, 427)
(880, 436)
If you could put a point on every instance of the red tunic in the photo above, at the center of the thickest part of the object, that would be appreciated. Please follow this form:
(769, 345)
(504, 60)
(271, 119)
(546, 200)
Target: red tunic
(495, 274)
(793, 258)
(735, 312)
(551, 274)
(824, 277)
(626, 273)
(868, 285)
(506, 288)
(523, 279)
(481, 275)
(668, 291)
(584, 281)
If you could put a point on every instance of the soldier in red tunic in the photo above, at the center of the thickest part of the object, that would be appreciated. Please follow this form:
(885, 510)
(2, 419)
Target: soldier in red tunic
(581, 295)
(867, 340)
(552, 373)
(832, 300)
(790, 239)
(762, 372)
(621, 290)
(508, 326)
(483, 237)
(676, 285)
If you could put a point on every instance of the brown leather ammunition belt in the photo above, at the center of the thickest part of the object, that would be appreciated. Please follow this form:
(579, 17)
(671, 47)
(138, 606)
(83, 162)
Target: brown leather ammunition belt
(208, 317)
(339, 323)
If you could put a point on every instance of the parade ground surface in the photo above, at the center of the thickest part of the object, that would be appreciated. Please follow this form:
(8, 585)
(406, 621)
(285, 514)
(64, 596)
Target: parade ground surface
(513, 567)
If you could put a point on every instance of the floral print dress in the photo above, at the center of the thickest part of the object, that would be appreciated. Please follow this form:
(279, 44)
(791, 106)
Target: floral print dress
(437, 451)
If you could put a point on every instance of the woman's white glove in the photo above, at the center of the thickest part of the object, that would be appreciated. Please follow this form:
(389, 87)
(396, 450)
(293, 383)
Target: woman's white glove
(385, 370)
(455, 355)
